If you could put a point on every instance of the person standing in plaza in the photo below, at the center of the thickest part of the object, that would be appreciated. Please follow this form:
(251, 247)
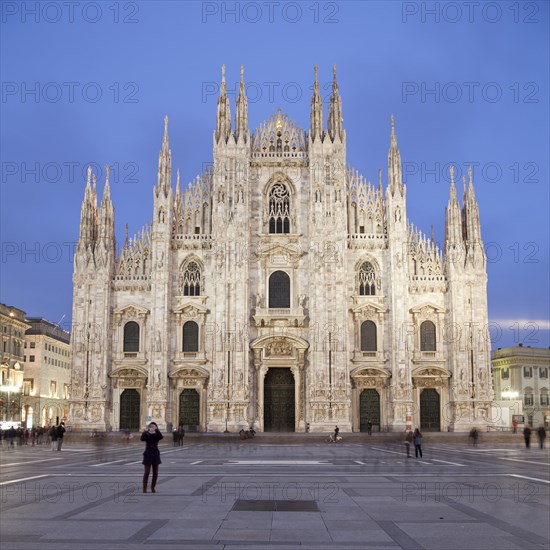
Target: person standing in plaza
(541, 434)
(151, 455)
(514, 426)
(417, 443)
(53, 437)
(181, 435)
(60, 434)
(527, 436)
(409, 439)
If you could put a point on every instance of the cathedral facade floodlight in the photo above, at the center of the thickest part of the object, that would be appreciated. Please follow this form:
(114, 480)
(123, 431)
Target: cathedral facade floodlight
(280, 290)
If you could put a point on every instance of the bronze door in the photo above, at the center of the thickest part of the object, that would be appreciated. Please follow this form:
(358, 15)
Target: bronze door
(369, 409)
(430, 420)
(279, 415)
(129, 410)
(189, 409)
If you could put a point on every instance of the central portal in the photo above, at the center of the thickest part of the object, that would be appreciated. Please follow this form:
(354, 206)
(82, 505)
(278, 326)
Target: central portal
(279, 415)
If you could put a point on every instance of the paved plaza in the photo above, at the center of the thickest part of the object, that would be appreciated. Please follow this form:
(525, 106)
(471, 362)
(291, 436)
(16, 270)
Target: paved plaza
(288, 492)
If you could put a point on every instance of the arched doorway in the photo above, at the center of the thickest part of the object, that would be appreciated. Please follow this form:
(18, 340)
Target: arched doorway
(430, 420)
(279, 397)
(369, 409)
(189, 414)
(129, 410)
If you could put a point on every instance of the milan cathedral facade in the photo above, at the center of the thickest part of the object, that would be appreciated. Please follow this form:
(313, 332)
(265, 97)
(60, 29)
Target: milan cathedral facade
(280, 290)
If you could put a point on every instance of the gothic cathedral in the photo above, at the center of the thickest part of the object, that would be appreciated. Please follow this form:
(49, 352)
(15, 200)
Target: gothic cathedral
(280, 290)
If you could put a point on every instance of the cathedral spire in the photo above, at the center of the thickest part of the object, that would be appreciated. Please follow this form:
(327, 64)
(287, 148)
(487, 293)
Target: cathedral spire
(164, 181)
(241, 122)
(107, 189)
(453, 224)
(395, 176)
(106, 225)
(316, 117)
(472, 229)
(88, 215)
(223, 115)
(335, 119)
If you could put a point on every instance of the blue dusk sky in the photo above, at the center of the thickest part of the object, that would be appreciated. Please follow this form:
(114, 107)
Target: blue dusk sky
(90, 83)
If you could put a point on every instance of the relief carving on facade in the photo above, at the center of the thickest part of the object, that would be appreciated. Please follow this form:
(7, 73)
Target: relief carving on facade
(279, 347)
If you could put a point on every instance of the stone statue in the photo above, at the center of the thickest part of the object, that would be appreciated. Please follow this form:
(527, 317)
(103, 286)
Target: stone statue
(260, 300)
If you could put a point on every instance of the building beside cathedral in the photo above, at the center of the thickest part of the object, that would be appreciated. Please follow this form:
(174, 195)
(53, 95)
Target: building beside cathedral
(280, 289)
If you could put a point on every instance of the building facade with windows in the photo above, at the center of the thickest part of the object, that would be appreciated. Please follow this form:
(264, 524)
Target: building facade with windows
(280, 289)
(523, 372)
(47, 373)
(12, 333)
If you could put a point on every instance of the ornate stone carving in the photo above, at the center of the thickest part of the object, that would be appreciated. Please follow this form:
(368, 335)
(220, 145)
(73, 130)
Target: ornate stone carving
(279, 347)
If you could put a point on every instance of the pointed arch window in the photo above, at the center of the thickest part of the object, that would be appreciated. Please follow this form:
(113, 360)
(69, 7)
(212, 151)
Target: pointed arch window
(279, 209)
(427, 336)
(279, 290)
(190, 336)
(131, 337)
(191, 283)
(367, 280)
(368, 336)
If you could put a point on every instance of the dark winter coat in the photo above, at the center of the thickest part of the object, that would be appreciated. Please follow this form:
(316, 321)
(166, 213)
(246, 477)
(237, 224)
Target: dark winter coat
(152, 453)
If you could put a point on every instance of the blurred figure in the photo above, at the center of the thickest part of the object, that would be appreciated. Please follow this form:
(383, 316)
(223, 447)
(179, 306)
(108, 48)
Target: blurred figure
(417, 443)
(181, 435)
(527, 436)
(409, 439)
(474, 436)
(99, 440)
(53, 437)
(541, 434)
(60, 433)
(514, 426)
